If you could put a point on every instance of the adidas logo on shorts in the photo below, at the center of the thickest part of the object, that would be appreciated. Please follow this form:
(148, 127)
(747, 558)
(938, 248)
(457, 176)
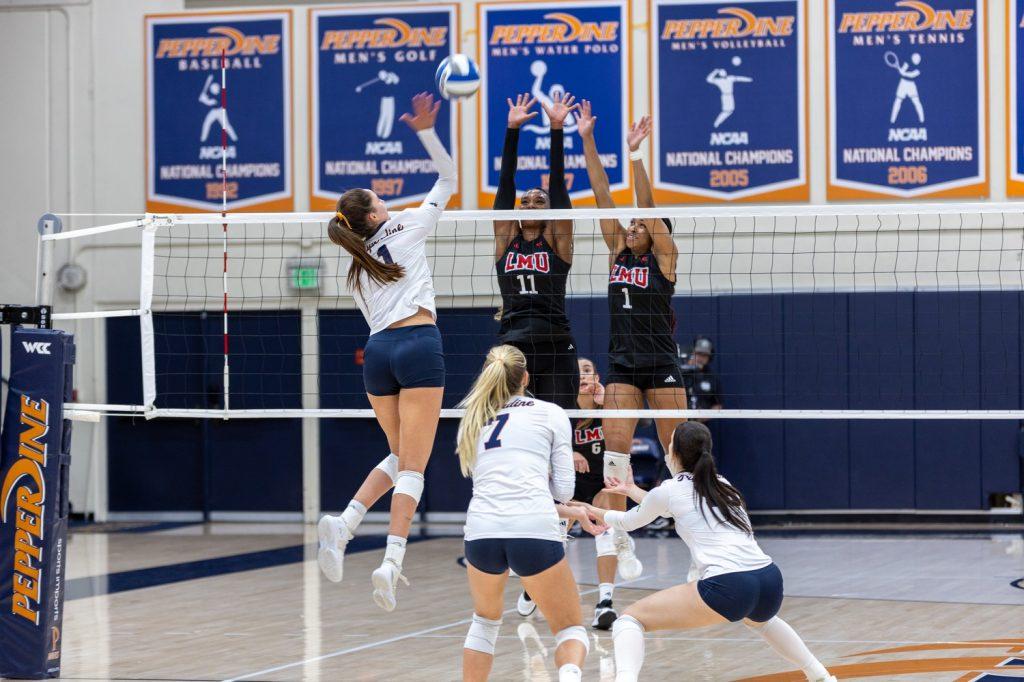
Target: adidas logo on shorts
(670, 380)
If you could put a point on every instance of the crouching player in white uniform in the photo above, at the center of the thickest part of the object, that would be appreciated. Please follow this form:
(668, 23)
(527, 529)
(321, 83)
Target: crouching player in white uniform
(737, 580)
(403, 368)
(518, 450)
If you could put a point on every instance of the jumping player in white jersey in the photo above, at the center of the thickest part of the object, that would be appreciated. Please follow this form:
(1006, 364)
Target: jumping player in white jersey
(518, 450)
(737, 581)
(403, 366)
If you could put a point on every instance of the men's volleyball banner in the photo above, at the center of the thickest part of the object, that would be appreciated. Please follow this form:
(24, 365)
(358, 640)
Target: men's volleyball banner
(906, 98)
(366, 65)
(545, 49)
(1015, 98)
(188, 133)
(729, 100)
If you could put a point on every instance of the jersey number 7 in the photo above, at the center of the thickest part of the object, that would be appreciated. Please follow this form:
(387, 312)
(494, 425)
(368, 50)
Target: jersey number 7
(494, 441)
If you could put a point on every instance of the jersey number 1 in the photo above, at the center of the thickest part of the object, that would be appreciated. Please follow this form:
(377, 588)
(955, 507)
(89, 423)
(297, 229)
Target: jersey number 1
(385, 255)
(495, 439)
(626, 305)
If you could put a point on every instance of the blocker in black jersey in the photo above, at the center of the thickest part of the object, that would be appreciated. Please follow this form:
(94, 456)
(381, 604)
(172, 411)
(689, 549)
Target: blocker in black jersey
(532, 280)
(641, 350)
(588, 440)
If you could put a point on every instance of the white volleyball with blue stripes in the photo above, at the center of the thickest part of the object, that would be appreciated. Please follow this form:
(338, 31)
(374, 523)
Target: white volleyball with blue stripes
(457, 76)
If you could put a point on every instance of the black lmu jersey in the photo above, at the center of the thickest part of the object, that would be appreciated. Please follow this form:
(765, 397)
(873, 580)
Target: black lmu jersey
(640, 306)
(532, 279)
(588, 440)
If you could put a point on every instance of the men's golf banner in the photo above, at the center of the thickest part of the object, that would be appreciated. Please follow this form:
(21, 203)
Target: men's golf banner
(546, 48)
(906, 98)
(187, 130)
(1015, 98)
(729, 100)
(35, 459)
(366, 65)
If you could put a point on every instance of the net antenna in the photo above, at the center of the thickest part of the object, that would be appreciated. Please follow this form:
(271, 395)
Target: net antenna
(284, 269)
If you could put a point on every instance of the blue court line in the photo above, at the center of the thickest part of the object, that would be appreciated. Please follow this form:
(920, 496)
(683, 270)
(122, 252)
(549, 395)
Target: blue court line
(123, 581)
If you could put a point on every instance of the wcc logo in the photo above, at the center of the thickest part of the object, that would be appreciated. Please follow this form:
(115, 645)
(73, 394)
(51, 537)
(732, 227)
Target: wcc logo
(36, 347)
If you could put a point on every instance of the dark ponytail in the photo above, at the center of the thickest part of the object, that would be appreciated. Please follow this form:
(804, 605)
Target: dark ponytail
(691, 447)
(349, 229)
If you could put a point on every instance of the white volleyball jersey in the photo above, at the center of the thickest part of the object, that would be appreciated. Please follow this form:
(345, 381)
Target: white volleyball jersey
(523, 464)
(402, 240)
(716, 547)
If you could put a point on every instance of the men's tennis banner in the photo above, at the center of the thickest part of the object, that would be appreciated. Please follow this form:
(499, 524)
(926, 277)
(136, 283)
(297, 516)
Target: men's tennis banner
(906, 98)
(365, 66)
(729, 100)
(1014, 100)
(547, 48)
(194, 120)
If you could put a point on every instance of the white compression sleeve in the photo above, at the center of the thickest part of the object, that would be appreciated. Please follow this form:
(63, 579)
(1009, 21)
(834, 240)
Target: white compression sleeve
(787, 643)
(628, 636)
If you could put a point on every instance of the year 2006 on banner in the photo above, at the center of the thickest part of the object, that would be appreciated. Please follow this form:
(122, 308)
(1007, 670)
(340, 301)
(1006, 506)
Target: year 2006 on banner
(906, 98)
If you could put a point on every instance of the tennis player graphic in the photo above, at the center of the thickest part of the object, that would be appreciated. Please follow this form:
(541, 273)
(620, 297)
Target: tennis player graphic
(908, 84)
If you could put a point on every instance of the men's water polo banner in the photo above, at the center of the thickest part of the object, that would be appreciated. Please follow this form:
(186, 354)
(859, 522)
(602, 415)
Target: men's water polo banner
(544, 48)
(366, 65)
(1015, 102)
(729, 100)
(186, 126)
(906, 99)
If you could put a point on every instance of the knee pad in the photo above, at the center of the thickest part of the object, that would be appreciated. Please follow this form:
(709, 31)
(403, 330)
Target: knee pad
(409, 483)
(624, 623)
(605, 544)
(389, 465)
(616, 465)
(577, 632)
(482, 635)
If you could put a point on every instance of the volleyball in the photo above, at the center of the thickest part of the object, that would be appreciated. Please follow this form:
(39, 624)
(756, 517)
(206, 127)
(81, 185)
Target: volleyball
(457, 76)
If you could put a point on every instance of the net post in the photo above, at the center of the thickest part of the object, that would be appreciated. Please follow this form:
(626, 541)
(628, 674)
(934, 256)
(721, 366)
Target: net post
(48, 224)
(310, 340)
(147, 258)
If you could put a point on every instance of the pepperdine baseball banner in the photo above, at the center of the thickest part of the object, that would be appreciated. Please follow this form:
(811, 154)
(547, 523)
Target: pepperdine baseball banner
(543, 48)
(906, 98)
(729, 100)
(366, 65)
(1014, 100)
(34, 464)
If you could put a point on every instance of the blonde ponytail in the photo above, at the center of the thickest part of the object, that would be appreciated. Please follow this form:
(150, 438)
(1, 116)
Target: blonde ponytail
(501, 378)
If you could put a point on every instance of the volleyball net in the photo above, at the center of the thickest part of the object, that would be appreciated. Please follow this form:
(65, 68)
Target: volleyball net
(820, 312)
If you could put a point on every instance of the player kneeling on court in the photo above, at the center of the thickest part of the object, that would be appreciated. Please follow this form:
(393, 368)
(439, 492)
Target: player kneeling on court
(737, 581)
(518, 451)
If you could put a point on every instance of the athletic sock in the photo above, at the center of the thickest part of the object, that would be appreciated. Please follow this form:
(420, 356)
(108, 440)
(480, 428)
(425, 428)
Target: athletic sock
(353, 515)
(605, 591)
(395, 550)
(628, 636)
(570, 672)
(787, 643)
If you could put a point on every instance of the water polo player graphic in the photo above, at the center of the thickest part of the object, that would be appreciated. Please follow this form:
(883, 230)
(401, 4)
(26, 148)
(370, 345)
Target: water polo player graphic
(210, 97)
(725, 82)
(386, 118)
(907, 86)
(539, 69)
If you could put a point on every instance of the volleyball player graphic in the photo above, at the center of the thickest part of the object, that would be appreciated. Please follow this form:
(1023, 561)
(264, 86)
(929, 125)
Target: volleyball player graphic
(908, 84)
(538, 69)
(725, 82)
(386, 118)
(209, 98)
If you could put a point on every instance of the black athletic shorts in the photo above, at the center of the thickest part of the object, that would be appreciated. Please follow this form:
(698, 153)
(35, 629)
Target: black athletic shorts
(756, 595)
(525, 556)
(404, 357)
(644, 378)
(588, 485)
(554, 371)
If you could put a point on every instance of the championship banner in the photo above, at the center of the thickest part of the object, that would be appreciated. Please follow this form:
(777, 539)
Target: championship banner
(365, 66)
(1014, 101)
(544, 48)
(729, 100)
(34, 463)
(906, 98)
(186, 130)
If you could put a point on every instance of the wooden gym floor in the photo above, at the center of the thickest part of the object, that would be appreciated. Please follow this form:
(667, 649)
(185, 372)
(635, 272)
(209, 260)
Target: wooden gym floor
(246, 602)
